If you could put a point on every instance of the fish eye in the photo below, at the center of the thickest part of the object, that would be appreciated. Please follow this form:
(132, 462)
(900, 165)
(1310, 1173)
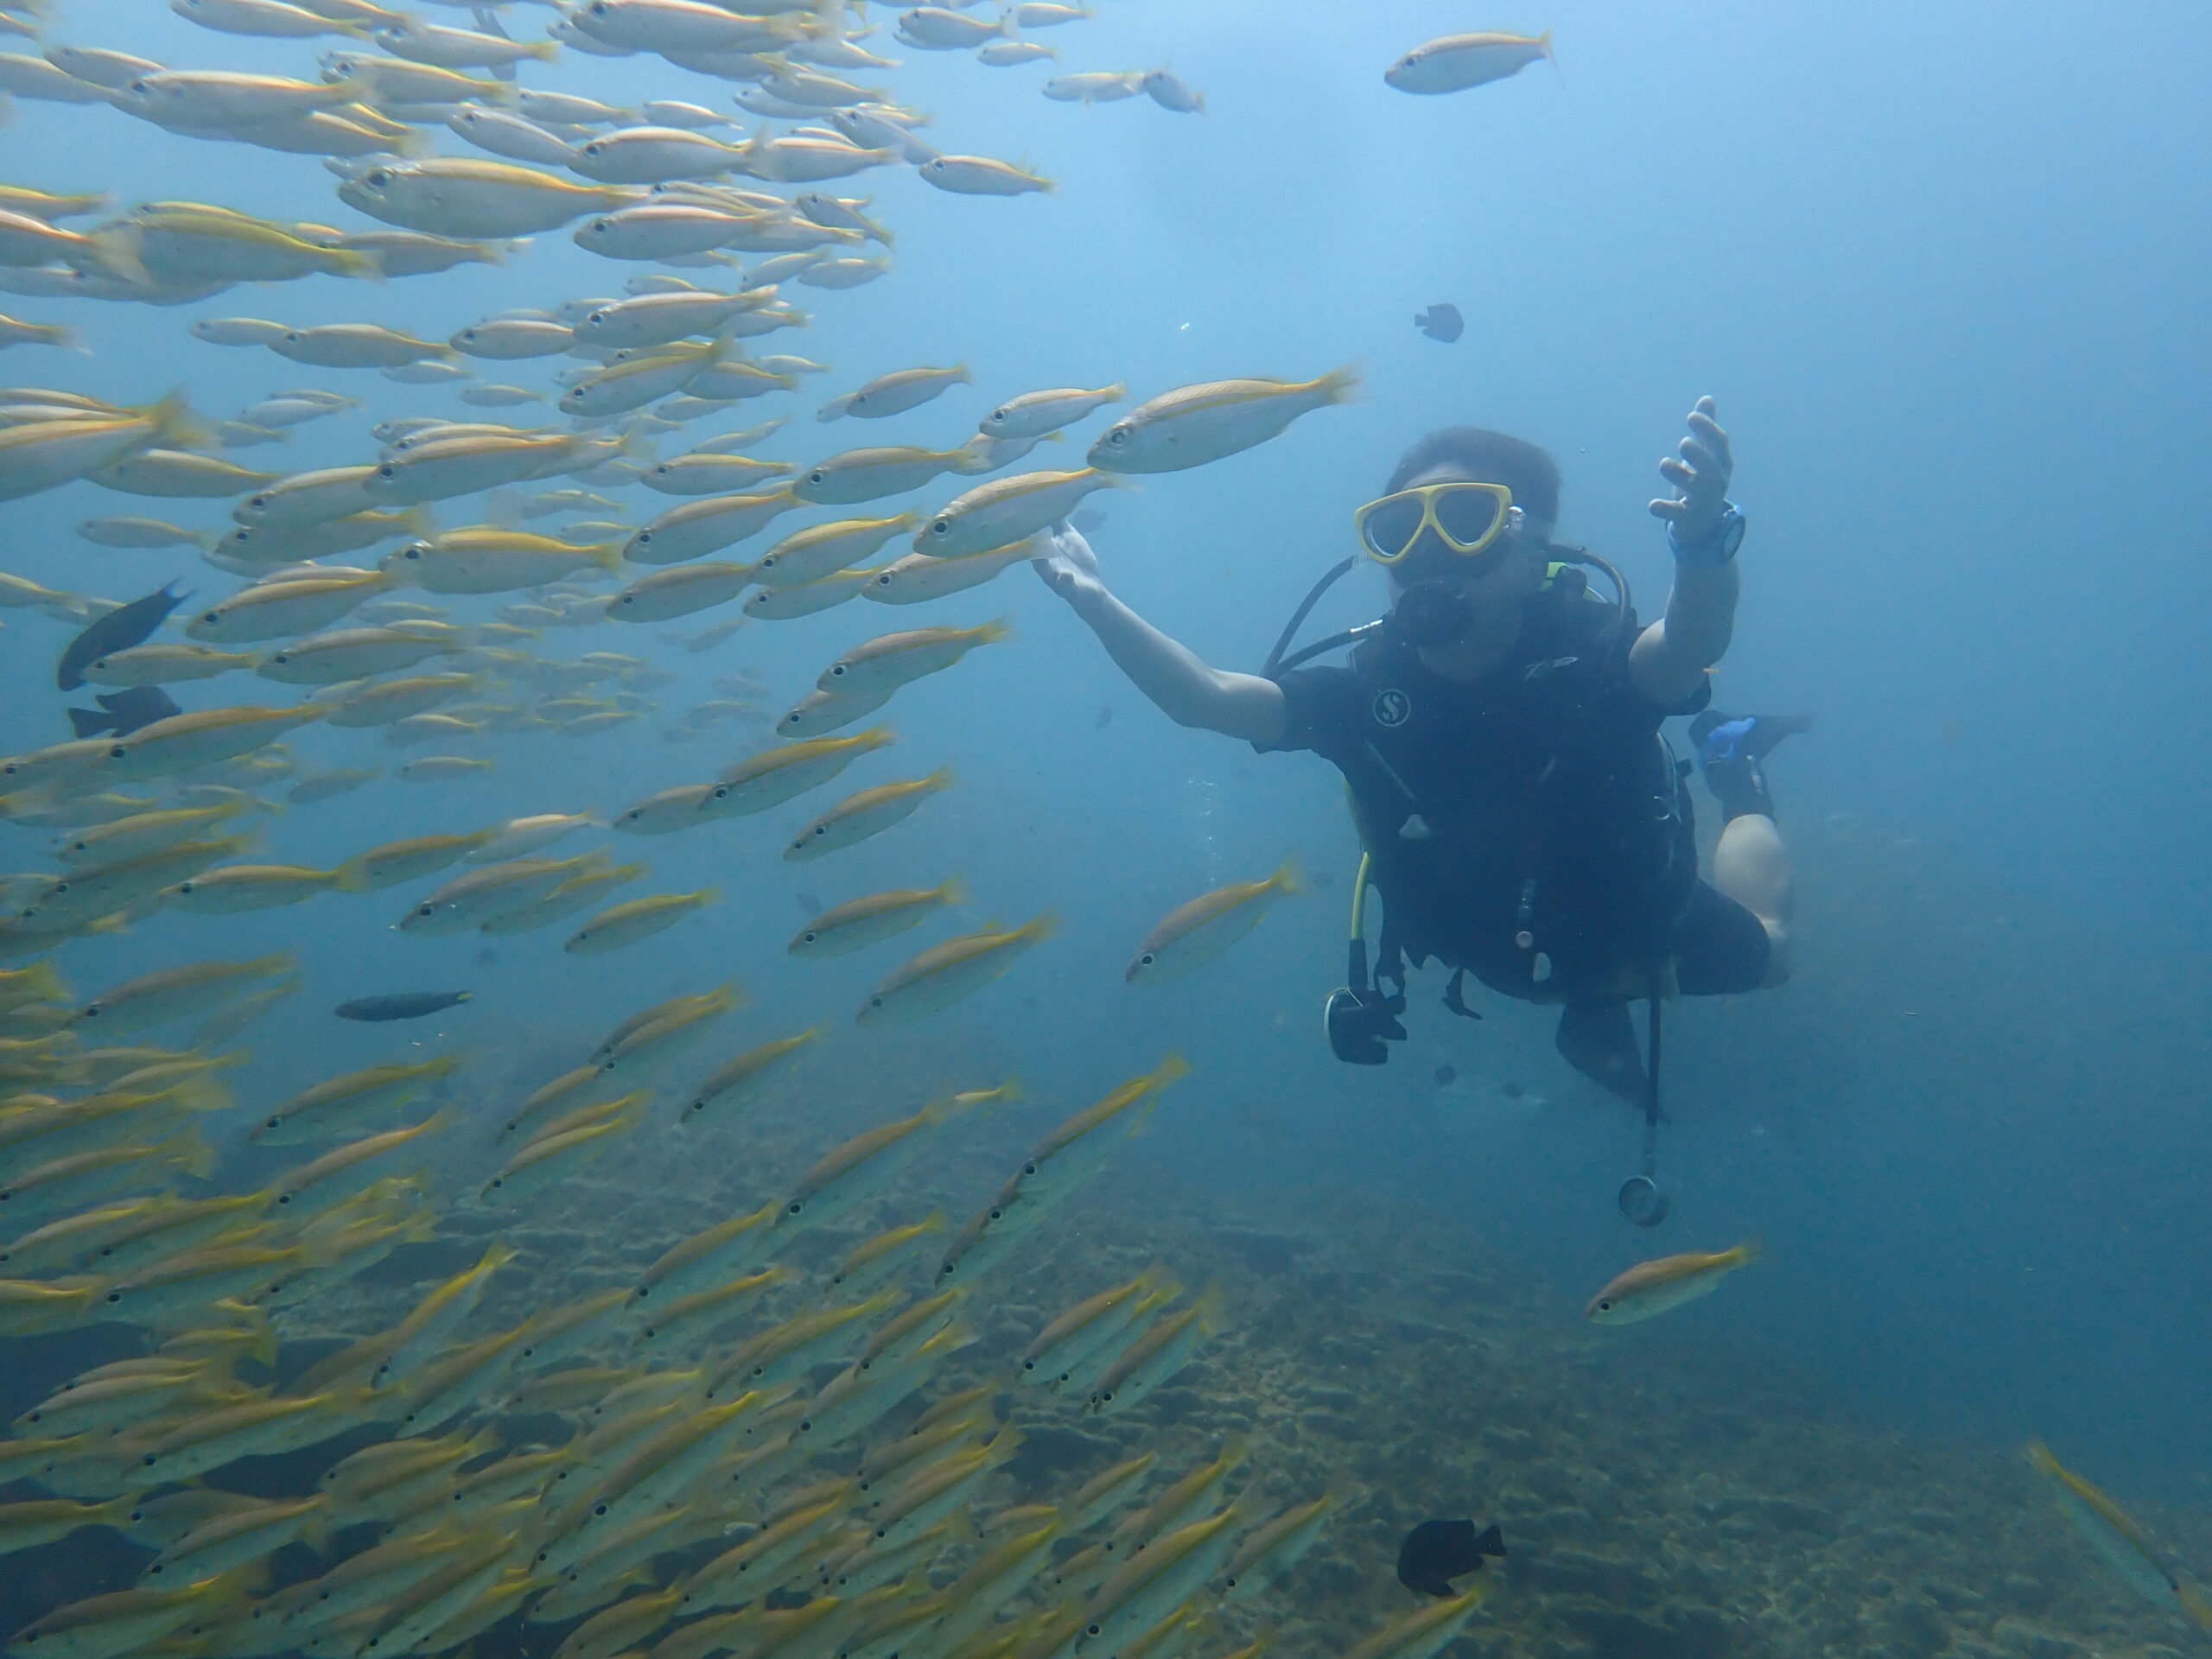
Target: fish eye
(1119, 435)
(115, 753)
(427, 910)
(817, 476)
(377, 180)
(387, 471)
(1605, 1307)
(942, 527)
(793, 1207)
(875, 1001)
(1146, 960)
(838, 672)
(809, 936)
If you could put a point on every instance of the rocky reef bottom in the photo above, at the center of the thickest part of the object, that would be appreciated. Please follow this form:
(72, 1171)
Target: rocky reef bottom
(1656, 1507)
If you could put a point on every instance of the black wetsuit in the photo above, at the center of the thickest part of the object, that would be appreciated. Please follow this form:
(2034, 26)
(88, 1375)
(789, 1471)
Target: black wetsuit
(1532, 828)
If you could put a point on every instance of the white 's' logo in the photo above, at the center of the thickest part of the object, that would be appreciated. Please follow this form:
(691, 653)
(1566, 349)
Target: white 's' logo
(1392, 708)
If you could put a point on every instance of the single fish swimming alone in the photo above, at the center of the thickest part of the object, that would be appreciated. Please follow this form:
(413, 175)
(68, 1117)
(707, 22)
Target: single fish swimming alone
(1650, 1288)
(1457, 62)
(1441, 322)
(2121, 1539)
(1193, 934)
(403, 1005)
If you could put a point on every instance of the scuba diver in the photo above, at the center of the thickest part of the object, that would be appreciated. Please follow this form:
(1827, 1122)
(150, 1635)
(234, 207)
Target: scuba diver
(1499, 735)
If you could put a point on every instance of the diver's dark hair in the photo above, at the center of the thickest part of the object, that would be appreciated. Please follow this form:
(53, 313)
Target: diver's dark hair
(1493, 458)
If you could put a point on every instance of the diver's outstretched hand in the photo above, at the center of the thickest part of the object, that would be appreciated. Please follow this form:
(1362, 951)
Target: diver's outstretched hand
(1068, 566)
(1699, 471)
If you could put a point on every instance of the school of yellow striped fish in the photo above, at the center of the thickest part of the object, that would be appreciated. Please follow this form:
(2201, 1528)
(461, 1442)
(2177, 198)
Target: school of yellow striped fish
(757, 1462)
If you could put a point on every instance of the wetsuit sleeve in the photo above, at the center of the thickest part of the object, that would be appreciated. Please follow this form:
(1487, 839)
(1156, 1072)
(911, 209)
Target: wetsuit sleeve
(1320, 711)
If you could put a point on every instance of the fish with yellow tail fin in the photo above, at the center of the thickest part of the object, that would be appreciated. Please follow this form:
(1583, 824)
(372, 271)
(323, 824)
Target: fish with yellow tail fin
(1156, 1357)
(542, 1162)
(42, 455)
(892, 660)
(862, 922)
(1650, 1288)
(2120, 1539)
(876, 1259)
(777, 775)
(1073, 1152)
(951, 972)
(1096, 1323)
(131, 1621)
(435, 1319)
(627, 923)
(1192, 425)
(1193, 934)
(1428, 1631)
(866, 1163)
(868, 813)
(737, 1083)
(346, 1104)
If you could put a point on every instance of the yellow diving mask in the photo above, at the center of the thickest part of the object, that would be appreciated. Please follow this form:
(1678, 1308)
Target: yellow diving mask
(1467, 518)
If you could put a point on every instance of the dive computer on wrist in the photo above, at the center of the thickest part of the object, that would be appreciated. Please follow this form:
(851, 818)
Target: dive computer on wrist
(1716, 547)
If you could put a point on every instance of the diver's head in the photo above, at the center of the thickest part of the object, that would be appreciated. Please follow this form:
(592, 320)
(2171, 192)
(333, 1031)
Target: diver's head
(1463, 531)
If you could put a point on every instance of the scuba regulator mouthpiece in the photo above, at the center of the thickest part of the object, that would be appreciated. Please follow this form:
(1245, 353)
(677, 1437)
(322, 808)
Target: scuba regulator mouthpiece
(1432, 612)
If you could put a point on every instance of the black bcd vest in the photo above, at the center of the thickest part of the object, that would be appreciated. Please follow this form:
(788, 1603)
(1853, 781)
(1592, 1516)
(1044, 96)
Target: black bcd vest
(1534, 829)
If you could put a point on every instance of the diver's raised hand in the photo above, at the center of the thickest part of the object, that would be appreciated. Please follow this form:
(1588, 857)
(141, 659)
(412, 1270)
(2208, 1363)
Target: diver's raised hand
(1068, 566)
(1699, 470)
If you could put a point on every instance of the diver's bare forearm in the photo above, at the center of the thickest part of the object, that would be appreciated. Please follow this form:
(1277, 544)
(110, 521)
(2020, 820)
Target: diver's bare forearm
(1183, 687)
(1671, 655)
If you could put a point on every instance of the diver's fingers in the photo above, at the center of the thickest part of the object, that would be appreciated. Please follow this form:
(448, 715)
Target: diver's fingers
(1701, 461)
(1677, 474)
(1669, 509)
(1707, 431)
